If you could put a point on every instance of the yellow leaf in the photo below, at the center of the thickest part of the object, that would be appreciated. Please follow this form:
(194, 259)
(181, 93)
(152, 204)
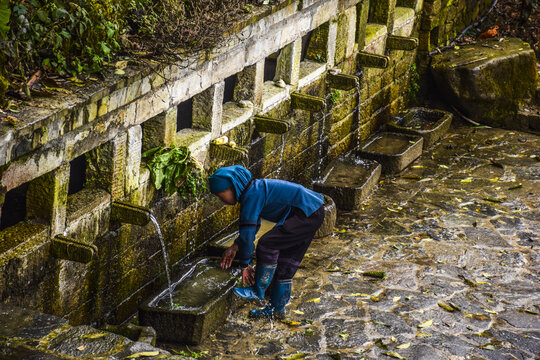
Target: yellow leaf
(494, 179)
(293, 356)
(490, 311)
(481, 282)
(404, 346)
(94, 336)
(119, 72)
(393, 354)
(143, 354)
(446, 307)
(374, 298)
(81, 348)
(426, 324)
(467, 180)
(291, 322)
(121, 64)
(423, 335)
(298, 312)
(357, 294)
(396, 298)
(315, 300)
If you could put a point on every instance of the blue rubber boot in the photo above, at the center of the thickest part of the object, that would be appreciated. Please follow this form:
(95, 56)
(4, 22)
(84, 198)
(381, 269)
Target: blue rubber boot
(281, 293)
(263, 277)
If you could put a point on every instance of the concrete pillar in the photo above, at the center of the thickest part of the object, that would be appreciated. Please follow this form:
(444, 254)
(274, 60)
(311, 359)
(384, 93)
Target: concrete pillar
(362, 12)
(159, 130)
(249, 83)
(106, 167)
(207, 109)
(46, 198)
(133, 158)
(382, 12)
(288, 63)
(331, 42)
(351, 31)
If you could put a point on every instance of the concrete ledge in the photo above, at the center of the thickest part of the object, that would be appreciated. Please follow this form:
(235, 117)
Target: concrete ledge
(234, 115)
(273, 96)
(310, 71)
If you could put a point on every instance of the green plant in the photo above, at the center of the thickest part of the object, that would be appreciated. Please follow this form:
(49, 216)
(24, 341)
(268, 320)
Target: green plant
(335, 95)
(414, 85)
(191, 354)
(176, 170)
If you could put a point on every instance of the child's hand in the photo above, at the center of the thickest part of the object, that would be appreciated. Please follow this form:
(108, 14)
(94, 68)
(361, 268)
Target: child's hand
(228, 256)
(248, 276)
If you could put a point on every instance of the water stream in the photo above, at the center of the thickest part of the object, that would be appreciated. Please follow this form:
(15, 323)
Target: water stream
(281, 155)
(165, 257)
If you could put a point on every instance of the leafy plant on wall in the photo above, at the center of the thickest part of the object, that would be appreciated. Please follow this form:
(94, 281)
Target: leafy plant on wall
(174, 169)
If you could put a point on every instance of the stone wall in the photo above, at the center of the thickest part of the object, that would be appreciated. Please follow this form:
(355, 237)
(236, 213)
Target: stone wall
(72, 255)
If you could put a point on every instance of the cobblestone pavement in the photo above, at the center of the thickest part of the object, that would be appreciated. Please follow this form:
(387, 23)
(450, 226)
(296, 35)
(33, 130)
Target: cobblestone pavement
(458, 236)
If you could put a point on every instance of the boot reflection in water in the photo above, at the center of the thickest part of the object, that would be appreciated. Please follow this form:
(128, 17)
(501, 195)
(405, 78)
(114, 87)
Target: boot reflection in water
(298, 213)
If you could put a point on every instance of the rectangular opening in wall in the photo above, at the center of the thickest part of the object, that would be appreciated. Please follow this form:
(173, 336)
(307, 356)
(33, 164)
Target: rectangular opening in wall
(228, 93)
(77, 174)
(184, 115)
(14, 207)
(305, 42)
(270, 66)
(434, 37)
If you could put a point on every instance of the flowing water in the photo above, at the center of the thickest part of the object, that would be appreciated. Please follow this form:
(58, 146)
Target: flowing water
(165, 257)
(281, 155)
(204, 282)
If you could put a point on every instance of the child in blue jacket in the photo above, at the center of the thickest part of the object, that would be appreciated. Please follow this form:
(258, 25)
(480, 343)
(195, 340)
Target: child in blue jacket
(298, 213)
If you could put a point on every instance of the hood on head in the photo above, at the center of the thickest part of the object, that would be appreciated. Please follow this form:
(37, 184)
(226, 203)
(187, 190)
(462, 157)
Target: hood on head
(223, 178)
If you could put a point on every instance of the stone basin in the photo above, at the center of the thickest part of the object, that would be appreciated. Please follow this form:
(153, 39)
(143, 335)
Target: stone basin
(427, 123)
(202, 298)
(393, 151)
(348, 180)
(218, 246)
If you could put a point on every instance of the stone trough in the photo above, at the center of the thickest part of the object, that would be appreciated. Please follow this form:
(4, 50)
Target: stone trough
(348, 180)
(202, 298)
(427, 123)
(393, 151)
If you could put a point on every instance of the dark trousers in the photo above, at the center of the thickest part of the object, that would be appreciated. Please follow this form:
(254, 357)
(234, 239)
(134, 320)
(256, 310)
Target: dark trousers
(285, 245)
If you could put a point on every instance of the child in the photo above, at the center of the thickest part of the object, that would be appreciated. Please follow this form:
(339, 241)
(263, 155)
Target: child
(298, 213)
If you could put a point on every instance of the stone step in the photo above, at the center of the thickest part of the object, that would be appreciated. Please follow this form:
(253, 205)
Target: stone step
(393, 151)
(428, 123)
(349, 180)
(30, 334)
(528, 118)
(202, 298)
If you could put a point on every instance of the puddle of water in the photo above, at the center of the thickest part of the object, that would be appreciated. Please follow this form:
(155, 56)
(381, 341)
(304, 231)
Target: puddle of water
(420, 119)
(348, 174)
(202, 283)
(388, 144)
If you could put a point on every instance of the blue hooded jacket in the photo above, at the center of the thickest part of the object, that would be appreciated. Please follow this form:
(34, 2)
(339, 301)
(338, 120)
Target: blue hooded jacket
(269, 199)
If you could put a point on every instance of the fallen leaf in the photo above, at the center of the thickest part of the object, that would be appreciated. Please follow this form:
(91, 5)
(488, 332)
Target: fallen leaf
(94, 336)
(467, 180)
(396, 298)
(491, 311)
(374, 298)
(426, 324)
(81, 348)
(119, 72)
(122, 64)
(343, 335)
(482, 282)
(488, 347)
(143, 354)
(423, 335)
(393, 354)
(446, 307)
(377, 322)
(375, 274)
(315, 300)
(404, 346)
(379, 343)
(494, 179)
(515, 187)
(293, 356)
(291, 322)
(298, 312)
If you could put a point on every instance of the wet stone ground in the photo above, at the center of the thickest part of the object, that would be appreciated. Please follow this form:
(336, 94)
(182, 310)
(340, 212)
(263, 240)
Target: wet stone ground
(458, 236)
